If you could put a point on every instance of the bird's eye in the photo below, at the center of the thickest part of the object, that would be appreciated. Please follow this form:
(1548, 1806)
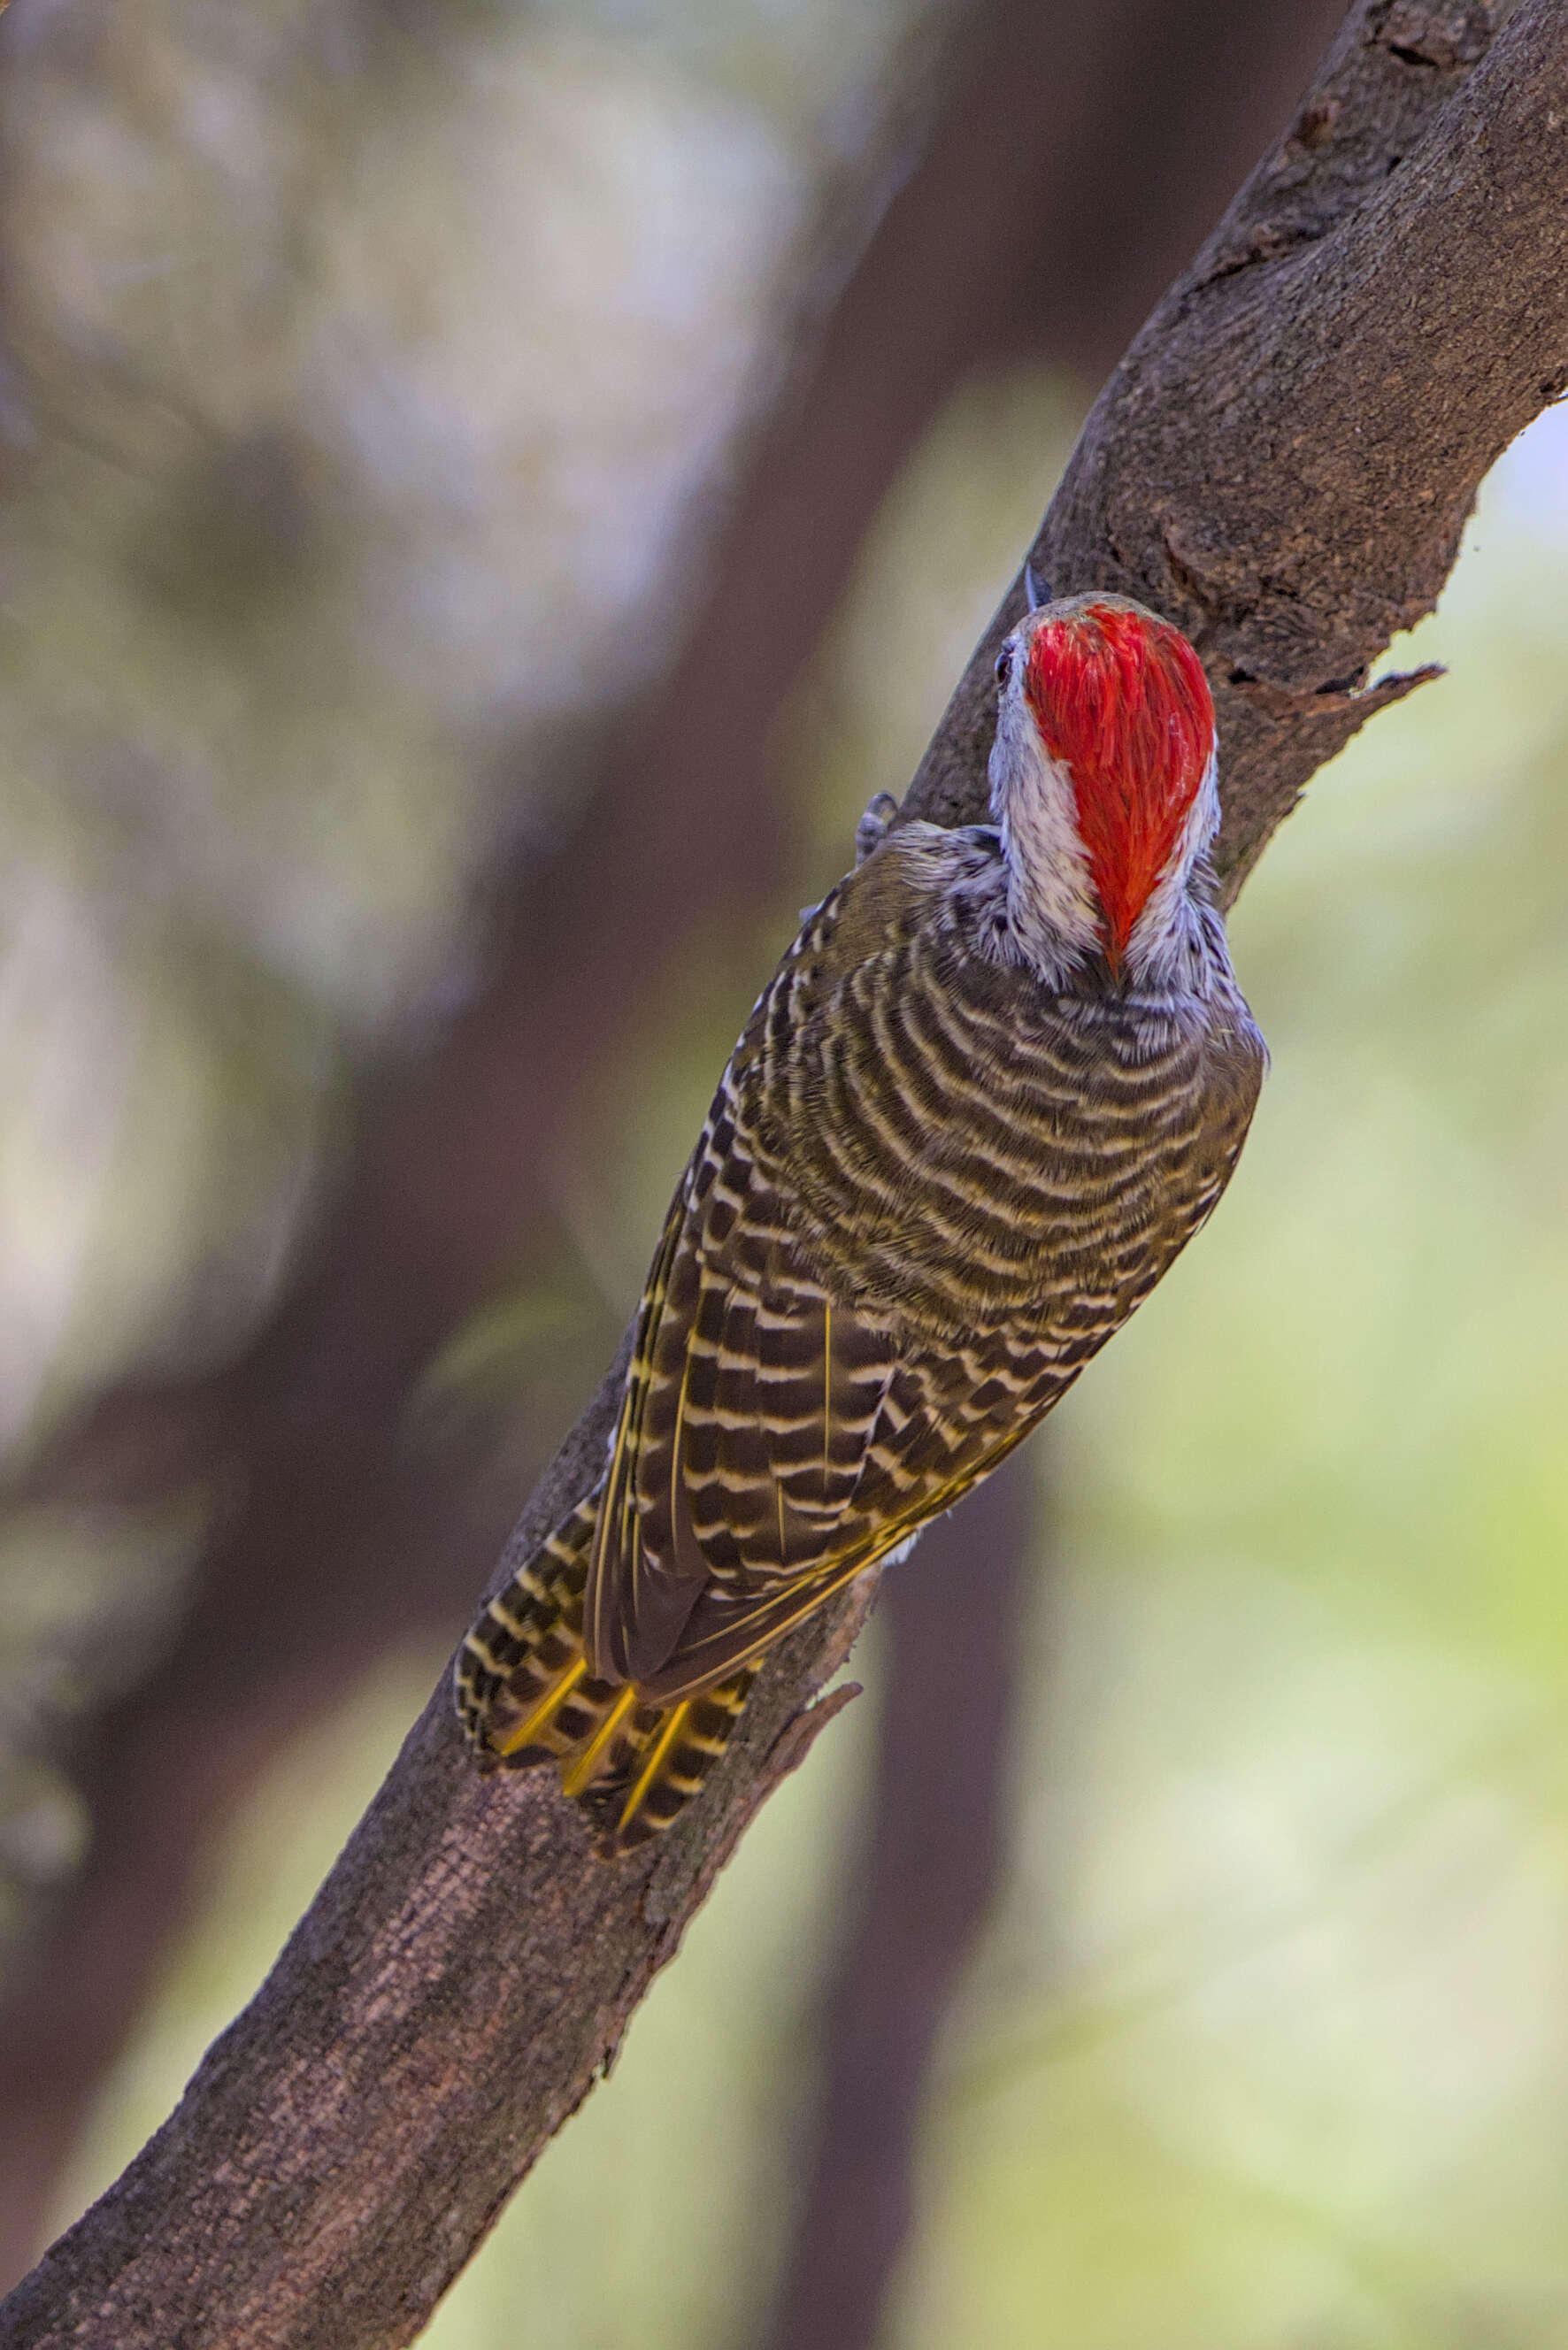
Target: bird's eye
(1004, 664)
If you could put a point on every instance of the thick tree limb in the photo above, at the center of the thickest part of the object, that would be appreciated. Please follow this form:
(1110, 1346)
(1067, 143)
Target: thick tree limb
(1284, 461)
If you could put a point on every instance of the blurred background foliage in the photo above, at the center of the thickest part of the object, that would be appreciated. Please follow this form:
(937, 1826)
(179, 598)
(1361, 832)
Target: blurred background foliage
(376, 378)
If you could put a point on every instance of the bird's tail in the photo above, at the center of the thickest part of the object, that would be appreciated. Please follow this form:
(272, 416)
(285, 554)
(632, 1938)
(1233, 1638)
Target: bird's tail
(524, 1695)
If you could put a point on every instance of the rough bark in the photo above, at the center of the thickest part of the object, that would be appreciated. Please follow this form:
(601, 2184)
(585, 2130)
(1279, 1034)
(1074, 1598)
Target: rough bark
(1286, 457)
(343, 1534)
(1283, 462)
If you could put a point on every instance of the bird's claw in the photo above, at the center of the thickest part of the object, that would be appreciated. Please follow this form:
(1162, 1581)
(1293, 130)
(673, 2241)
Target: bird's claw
(872, 829)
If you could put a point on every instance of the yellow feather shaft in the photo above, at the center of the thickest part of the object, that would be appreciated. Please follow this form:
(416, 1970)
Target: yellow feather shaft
(574, 1781)
(544, 1711)
(675, 1440)
(655, 1762)
(826, 1391)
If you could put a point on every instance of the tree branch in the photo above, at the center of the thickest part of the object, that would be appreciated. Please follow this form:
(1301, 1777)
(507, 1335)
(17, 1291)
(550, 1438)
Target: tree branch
(1284, 461)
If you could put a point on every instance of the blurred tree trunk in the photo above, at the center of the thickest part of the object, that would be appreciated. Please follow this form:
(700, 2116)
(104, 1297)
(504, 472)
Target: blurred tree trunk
(920, 1890)
(1056, 197)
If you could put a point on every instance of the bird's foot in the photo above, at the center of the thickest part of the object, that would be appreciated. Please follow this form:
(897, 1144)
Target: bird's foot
(872, 829)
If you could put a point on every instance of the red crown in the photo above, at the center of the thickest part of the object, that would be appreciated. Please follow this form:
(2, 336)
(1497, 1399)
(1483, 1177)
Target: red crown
(1122, 703)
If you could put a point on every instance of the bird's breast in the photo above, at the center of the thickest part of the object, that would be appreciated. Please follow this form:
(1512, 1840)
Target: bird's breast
(968, 1150)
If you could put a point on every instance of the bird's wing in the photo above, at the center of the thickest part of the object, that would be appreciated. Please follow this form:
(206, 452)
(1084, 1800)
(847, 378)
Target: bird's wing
(750, 1402)
(778, 1432)
(930, 1443)
(774, 1440)
(610, 1603)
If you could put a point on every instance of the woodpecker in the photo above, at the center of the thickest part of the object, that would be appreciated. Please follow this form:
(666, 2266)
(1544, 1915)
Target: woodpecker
(997, 1083)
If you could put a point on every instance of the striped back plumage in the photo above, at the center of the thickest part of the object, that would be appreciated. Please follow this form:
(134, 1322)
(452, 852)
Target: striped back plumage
(928, 1190)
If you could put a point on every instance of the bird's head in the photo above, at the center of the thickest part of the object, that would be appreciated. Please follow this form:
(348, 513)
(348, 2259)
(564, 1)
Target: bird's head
(1102, 779)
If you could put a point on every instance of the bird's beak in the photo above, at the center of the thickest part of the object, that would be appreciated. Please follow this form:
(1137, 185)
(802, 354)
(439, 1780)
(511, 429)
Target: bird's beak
(1038, 590)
